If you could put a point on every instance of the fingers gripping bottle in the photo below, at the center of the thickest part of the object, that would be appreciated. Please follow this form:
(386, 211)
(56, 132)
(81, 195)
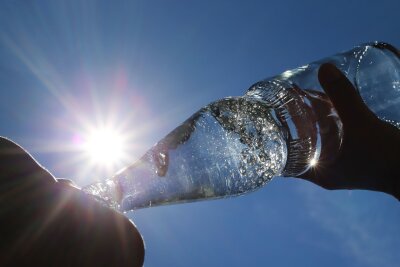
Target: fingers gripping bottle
(282, 126)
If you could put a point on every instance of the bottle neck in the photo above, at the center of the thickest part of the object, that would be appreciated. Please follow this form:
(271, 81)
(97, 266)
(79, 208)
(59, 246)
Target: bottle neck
(314, 131)
(330, 127)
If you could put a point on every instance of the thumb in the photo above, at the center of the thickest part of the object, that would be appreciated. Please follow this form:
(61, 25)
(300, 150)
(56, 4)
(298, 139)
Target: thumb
(345, 98)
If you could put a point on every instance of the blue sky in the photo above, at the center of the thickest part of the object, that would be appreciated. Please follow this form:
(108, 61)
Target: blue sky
(145, 66)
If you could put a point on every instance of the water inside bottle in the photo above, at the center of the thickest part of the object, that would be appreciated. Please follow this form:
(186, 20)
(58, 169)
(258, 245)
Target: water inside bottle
(227, 148)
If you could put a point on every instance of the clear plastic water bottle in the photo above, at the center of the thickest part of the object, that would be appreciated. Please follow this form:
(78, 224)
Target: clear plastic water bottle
(282, 126)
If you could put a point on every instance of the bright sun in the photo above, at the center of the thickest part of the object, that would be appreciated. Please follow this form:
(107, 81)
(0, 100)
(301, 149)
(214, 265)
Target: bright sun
(104, 146)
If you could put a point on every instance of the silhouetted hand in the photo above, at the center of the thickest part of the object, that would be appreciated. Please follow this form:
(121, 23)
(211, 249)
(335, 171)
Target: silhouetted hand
(48, 223)
(369, 158)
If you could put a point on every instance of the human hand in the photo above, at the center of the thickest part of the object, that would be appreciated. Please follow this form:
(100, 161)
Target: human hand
(369, 156)
(48, 223)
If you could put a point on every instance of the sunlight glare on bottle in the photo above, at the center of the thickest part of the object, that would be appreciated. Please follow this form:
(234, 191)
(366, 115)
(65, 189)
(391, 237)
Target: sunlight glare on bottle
(313, 162)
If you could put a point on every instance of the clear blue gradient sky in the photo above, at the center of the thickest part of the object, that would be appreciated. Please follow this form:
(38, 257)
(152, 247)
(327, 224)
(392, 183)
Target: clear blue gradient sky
(145, 66)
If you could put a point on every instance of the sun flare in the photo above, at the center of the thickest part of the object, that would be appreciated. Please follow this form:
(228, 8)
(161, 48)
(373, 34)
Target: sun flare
(104, 146)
